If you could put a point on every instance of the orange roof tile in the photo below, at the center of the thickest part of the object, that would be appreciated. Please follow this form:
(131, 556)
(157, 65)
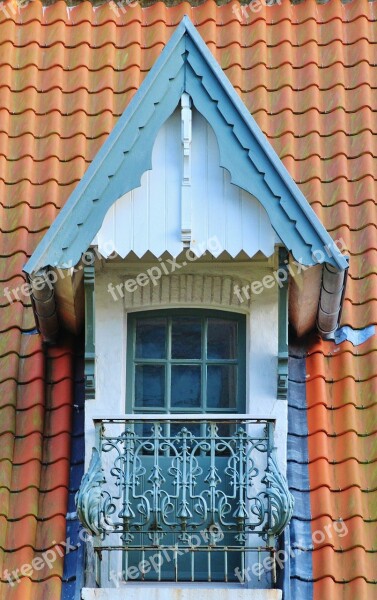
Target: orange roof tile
(307, 73)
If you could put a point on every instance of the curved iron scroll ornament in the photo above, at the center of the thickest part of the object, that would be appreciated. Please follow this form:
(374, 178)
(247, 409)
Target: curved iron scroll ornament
(89, 499)
(280, 498)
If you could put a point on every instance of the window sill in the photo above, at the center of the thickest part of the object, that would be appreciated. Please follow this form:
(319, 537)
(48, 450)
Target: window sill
(181, 592)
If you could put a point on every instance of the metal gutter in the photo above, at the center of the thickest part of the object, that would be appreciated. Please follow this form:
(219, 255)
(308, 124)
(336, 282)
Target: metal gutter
(331, 300)
(44, 305)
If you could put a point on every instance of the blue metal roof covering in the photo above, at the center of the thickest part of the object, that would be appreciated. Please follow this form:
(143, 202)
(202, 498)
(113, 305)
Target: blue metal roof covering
(298, 582)
(73, 573)
(185, 65)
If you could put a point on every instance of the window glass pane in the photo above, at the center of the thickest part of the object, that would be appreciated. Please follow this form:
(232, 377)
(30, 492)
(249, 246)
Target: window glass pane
(185, 386)
(222, 339)
(186, 338)
(150, 338)
(221, 386)
(149, 385)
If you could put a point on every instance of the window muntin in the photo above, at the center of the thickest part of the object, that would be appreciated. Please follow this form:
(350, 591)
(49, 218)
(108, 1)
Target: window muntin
(186, 361)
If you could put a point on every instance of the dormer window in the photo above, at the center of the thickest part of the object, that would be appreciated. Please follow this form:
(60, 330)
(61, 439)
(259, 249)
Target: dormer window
(181, 437)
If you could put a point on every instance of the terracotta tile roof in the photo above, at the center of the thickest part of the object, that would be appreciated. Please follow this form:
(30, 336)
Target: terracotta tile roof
(307, 73)
(342, 423)
(35, 417)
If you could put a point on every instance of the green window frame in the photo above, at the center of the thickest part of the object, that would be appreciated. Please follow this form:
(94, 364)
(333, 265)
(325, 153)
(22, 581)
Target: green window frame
(168, 365)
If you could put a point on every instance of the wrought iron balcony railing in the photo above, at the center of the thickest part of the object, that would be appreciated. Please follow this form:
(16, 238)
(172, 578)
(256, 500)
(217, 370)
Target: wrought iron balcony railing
(206, 489)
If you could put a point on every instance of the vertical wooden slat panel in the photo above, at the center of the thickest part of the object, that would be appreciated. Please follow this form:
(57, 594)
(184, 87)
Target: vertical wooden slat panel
(223, 216)
(233, 216)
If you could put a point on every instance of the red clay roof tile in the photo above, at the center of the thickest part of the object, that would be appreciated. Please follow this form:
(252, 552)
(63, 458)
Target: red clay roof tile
(28, 590)
(357, 588)
(343, 504)
(341, 448)
(345, 566)
(354, 532)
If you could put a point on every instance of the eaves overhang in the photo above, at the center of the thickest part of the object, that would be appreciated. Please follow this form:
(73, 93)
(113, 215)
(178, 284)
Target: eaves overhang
(187, 65)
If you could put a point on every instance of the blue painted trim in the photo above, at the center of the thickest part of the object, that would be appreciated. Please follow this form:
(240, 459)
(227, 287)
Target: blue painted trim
(186, 64)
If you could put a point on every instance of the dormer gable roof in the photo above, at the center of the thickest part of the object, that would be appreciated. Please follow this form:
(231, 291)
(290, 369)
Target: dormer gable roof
(185, 65)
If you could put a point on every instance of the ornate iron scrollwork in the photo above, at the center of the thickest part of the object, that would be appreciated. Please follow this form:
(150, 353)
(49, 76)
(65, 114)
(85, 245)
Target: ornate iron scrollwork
(165, 484)
(91, 500)
(281, 501)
